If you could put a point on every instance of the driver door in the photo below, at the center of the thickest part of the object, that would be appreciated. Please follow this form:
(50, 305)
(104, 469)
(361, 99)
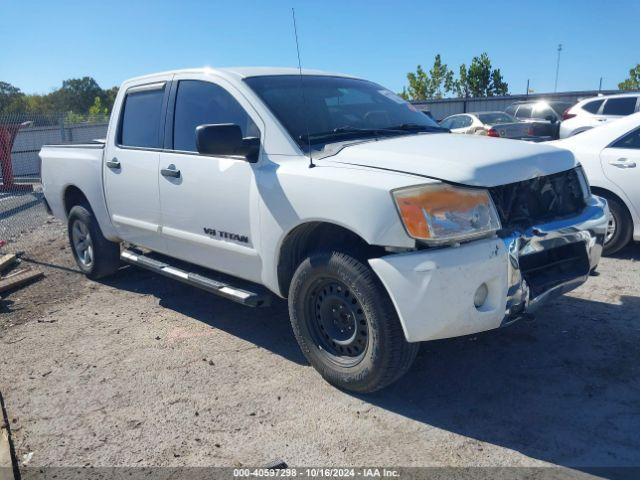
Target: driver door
(208, 217)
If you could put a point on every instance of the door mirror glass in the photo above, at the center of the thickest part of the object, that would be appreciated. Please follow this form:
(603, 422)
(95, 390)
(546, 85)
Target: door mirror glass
(226, 139)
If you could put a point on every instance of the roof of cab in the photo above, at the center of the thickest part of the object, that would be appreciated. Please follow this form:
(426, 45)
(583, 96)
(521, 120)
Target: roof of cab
(243, 72)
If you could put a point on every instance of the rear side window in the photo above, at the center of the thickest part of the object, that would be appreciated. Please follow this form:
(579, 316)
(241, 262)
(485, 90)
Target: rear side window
(524, 111)
(593, 106)
(202, 103)
(620, 106)
(511, 110)
(545, 112)
(465, 121)
(140, 124)
(631, 140)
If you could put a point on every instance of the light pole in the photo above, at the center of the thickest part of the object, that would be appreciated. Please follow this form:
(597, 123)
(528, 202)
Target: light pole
(555, 88)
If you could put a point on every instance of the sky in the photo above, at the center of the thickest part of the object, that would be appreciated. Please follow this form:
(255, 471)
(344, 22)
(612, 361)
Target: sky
(43, 42)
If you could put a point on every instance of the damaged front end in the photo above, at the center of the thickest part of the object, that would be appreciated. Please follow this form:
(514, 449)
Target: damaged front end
(553, 230)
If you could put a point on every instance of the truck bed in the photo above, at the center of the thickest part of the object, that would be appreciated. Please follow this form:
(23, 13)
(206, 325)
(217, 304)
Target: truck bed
(75, 166)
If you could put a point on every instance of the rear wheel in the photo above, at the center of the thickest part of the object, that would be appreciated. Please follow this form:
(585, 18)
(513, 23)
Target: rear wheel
(620, 228)
(96, 256)
(346, 324)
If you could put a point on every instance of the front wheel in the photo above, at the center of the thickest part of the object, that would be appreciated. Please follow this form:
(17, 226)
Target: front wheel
(96, 256)
(346, 325)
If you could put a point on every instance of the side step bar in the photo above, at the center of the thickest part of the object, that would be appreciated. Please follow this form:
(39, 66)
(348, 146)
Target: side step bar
(245, 297)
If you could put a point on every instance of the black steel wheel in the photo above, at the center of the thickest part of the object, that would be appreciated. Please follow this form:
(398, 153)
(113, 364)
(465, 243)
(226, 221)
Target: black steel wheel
(340, 326)
(345, 323)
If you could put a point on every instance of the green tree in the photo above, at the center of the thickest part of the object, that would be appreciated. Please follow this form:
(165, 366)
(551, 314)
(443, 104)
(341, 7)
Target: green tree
(77, 94)
(9, 95)
(633, 82)
(498, 85)
(461, 84)
(110, 98)
(433, 84)
(480, 80)
(97, 109)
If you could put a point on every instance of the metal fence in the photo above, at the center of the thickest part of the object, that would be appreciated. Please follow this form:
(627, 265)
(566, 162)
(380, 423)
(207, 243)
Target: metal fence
(21, 137)
(443, 107)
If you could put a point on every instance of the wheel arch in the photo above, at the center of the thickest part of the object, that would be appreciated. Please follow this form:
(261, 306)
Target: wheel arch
(604, 192)
(73, 196)
(314, 236)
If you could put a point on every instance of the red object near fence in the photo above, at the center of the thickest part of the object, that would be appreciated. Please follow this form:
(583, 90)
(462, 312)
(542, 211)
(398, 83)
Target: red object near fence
(8, 133)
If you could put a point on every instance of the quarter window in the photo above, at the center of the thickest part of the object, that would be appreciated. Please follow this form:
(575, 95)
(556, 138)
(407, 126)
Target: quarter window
(620, 106)
(202, 103)
(631, 140)
(593, 106)
(140, 124)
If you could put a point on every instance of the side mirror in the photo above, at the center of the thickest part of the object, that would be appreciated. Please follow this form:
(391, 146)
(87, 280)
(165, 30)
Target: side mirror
(550, 118)
(226, 139)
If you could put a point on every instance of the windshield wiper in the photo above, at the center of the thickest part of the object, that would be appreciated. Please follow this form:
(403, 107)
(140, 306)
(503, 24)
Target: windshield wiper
(416, 127)
(340, 132)
(347, 131)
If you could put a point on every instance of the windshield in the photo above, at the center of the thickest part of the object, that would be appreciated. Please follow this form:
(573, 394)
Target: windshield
(317, 110)
(493, 118)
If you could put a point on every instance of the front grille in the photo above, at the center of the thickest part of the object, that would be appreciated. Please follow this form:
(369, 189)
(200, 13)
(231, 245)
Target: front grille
(550, 268)
(541, 199)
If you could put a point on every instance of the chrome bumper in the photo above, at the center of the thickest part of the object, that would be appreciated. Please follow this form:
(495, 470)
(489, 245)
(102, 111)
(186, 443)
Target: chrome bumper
(584, 231)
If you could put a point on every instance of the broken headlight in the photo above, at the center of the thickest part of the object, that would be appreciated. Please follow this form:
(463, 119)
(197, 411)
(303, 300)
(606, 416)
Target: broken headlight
(441, 213)
(584, 182)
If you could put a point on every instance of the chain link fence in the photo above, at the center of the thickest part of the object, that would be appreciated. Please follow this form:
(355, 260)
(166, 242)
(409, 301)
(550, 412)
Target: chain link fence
(22, 211)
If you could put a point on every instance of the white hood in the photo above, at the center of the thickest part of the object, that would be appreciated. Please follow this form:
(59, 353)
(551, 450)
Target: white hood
(465, 159)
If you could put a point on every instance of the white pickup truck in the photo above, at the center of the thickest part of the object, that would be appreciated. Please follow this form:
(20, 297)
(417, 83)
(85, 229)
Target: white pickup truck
(382, 229)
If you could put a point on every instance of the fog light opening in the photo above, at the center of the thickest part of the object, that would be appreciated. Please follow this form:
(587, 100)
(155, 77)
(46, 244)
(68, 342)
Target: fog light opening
(481, 295)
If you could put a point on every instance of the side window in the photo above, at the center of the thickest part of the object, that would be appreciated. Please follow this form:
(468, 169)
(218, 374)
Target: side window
(543, 111)
(511, 110)
(619, 106)
(524, 111)
(447, 123)
(593, 106)
(631, 140)
(465, 121)
(140, 118)
(201, 103)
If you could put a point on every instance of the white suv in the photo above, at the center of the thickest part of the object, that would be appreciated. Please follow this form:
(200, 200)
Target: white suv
(594, 111)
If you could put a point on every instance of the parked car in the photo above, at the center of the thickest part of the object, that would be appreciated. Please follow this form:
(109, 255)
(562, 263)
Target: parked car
(610, 156)
(595, 111)
(540, 111)
(494, 124)
(380, 230)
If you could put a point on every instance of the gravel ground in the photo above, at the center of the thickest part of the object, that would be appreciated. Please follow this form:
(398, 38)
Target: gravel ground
(139, 370)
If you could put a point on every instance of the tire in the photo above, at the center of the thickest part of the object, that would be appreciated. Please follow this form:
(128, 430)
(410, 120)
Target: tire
(371, 351)
(622, 226)
(101, 257)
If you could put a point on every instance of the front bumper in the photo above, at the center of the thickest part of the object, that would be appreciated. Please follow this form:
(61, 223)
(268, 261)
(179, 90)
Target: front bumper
(433, 290)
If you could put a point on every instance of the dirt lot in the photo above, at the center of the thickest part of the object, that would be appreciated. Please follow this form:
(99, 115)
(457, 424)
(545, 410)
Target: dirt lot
(139, 370)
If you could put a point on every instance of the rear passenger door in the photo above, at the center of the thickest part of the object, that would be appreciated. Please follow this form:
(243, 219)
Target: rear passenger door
(207, 214)
(131, 163)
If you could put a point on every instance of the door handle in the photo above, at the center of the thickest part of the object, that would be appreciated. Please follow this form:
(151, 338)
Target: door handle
(623, 163)
(170, 171)
(113, 163)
